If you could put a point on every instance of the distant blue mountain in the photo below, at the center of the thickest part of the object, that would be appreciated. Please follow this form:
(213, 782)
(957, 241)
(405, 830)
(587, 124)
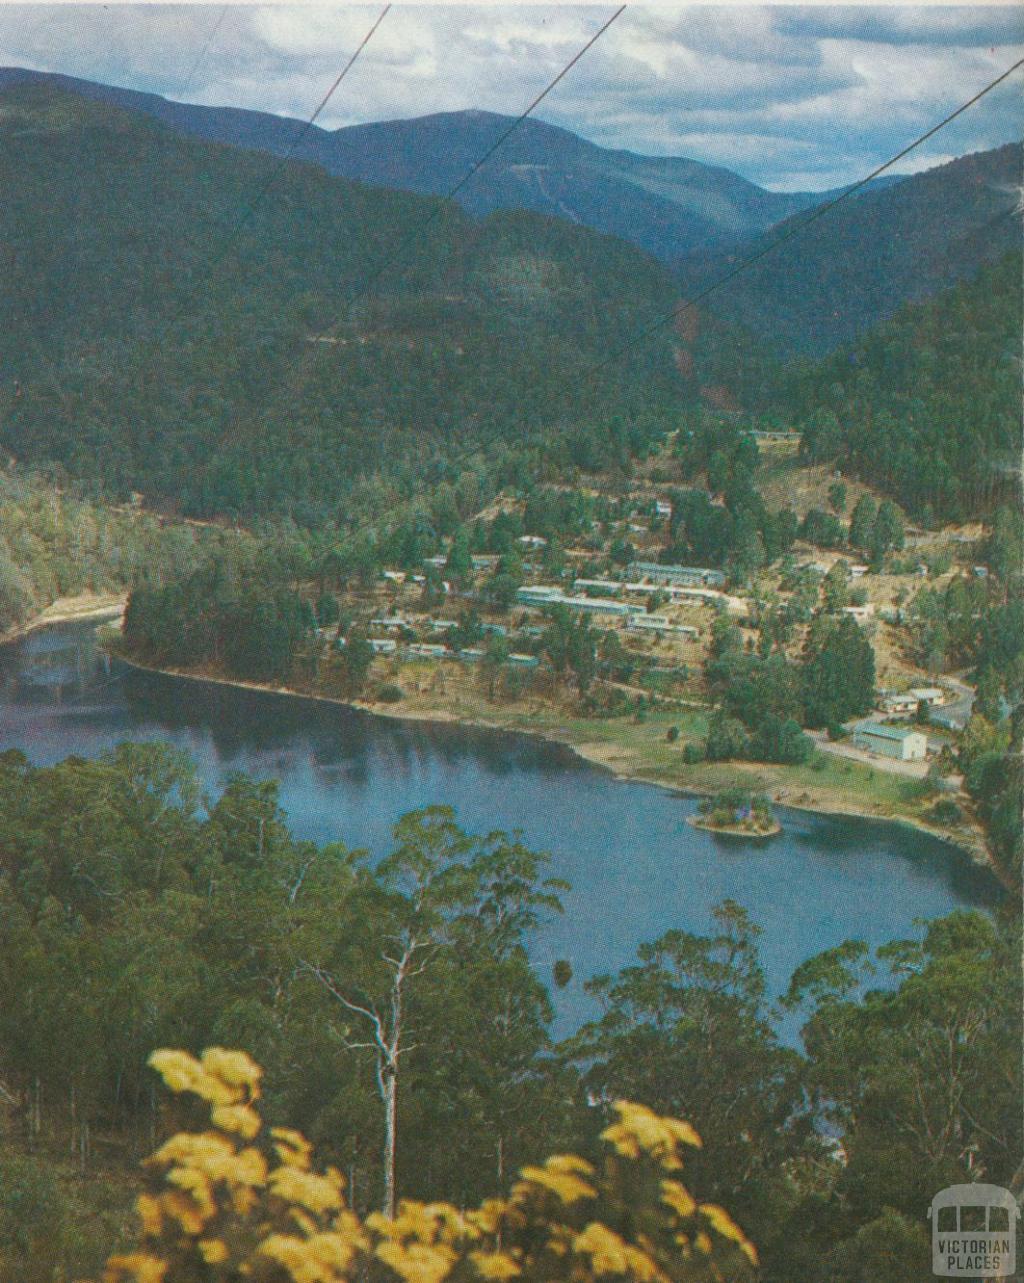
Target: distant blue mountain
(669, 206)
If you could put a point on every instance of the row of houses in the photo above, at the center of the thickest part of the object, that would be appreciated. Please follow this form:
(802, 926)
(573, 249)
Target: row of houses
(909, 701)
(434, 650)
(636, 617)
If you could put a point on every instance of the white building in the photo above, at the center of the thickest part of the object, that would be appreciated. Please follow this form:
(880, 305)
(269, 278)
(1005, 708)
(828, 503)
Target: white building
(891, 741)
(933, 696)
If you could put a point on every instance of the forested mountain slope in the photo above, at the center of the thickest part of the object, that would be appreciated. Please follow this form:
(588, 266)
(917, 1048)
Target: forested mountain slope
(137, 351)
(854, 267)
(668, 205)
(927, 406)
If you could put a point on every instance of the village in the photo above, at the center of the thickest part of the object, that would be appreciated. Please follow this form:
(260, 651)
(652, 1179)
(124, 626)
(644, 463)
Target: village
(428, 632)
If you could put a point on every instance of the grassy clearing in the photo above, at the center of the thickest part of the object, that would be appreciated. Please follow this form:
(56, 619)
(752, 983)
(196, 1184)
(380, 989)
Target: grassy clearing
(641, 749)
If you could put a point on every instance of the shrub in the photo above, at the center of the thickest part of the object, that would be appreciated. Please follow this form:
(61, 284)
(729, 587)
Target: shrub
(390, 694)
(945, 811)
(672, 734)
(231, 1202)
(693, 754)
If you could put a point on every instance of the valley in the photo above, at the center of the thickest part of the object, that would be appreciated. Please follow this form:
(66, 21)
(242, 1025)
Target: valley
(468, 711)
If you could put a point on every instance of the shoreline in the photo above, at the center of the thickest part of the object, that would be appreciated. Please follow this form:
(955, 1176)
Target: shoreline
(69, 610)
(593, 755)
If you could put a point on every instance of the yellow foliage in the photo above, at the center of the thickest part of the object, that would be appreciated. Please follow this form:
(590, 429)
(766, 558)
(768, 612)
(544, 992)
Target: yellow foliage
(564, 1185)
(137, 1267)
(291, 1147)
(496, 1266)
(642, 1131)
(679, 1198)
(217, 1210)
(316, 1193)
(611, 1254)
(243, 1120)
(415, 1262)
(233, 1067)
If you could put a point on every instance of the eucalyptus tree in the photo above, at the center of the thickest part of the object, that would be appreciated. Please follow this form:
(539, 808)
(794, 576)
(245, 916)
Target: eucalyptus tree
(441, 903)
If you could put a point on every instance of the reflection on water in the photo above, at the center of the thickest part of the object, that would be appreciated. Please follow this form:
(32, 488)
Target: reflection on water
(636, 867)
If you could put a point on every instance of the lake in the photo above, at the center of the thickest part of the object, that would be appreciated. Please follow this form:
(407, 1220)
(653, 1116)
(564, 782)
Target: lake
(636, 867)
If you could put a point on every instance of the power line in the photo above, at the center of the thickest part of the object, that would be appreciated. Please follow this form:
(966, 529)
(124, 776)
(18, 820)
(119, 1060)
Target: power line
(415, 235)
(219, 255)
(303, 132)
(203, 52)
(795, 230)
(301, 366)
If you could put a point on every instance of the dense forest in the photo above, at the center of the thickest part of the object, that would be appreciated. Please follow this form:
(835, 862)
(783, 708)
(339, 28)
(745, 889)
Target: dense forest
(54, 544)
(160, 334)
(927, 407)
(137, 915)
(331, 351)
(849, 271)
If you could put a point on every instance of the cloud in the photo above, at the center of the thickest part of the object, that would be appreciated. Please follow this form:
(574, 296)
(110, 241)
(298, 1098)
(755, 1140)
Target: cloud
(906, 25)
(792, 97)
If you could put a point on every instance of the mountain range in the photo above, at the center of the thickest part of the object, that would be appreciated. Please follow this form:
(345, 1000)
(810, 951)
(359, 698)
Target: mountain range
(163, 333)
(158, 325)
(669, 206)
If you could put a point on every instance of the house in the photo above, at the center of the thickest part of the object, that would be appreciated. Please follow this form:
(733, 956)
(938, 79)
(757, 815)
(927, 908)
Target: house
(933, 696)
(660, 624)
(484, 560)
(597, 605)
(981, 572)
(858, 571)
(523, 661)
(383, 645)
(537, 594)
(859, 612)
(471, 654)
(427, 650)
(662, 508)
(898, 742)
(598, 587)
(532, 541)
(897, 702)
(394, 576)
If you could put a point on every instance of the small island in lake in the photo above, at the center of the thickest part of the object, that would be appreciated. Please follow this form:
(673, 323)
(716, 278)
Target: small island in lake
(737, 811)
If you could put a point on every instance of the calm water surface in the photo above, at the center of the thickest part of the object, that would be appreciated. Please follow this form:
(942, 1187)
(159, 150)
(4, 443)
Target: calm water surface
(636, 867)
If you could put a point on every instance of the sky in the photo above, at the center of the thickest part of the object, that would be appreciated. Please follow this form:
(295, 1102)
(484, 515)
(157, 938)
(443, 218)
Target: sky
(792, 97)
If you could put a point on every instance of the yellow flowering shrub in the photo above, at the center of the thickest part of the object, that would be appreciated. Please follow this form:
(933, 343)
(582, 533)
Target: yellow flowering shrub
(235, 1202)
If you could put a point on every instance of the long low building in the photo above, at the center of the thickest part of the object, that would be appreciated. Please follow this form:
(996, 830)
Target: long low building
(541, 595)
(692, 576)
(659, 624)
(891, 741)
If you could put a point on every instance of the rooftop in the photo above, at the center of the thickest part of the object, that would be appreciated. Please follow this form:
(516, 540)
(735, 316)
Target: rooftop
(885, 732)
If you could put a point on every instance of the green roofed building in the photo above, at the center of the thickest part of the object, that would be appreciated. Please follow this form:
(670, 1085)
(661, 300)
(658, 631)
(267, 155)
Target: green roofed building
(891, 741)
